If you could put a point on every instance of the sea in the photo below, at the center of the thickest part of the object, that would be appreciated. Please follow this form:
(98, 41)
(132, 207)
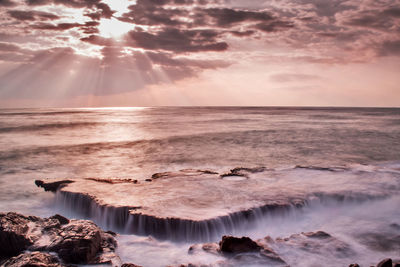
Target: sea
(138, 142)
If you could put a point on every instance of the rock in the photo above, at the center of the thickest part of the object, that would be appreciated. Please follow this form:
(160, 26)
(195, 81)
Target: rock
(385, 263)
(14, 236)
(75, 241)
(60, 218)
(232, 244)
(78, 242)
(318, 234)
(130, 265)
(354, 265)
(52, 186)
(34, 259)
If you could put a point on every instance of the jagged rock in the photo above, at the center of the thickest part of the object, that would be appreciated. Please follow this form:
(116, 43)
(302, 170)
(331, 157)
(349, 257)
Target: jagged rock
(385, 263)
(78, 242)
(34, 259)
(52, 186)
(75, 241)
(318, 234)
(232, 244)
(14, 236)
(240, 252)
(60, 218)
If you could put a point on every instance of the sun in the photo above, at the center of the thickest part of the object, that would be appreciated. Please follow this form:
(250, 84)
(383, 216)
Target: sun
(114, 28)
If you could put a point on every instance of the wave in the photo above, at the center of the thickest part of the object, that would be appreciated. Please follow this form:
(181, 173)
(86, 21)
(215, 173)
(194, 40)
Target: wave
(49, 126)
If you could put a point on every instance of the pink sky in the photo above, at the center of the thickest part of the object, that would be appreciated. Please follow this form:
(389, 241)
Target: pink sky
(73, 53)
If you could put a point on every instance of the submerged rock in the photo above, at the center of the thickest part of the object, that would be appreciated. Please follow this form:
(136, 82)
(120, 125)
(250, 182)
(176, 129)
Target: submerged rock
(385, 263)
(240, 252)
(232, 244)
(75, 241)
(34, 259)
(314, 242)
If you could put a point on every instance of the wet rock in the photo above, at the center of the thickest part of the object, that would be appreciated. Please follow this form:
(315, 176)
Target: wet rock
(75, 241)
(14, 234)
(232, 244)
(60, 218)
(34, 259)
(52, 186)
(318, 234)
(385, 263)
(78, 242)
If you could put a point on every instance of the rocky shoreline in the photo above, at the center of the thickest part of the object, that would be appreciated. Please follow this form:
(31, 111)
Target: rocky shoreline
(59, 242)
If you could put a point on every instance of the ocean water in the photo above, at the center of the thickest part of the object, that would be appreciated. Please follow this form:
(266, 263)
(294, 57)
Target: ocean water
(297, 144)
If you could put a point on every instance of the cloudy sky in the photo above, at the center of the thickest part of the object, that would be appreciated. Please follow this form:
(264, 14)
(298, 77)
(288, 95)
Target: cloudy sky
(73, 53)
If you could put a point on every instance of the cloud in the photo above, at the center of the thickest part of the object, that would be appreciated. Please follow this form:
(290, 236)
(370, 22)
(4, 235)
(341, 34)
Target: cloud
(89, 27)
(390, 48)
(293, 77)
(101, 10)
(32, 15)
(9, 47)
(7, 3)
(180, 41)
(60, 69)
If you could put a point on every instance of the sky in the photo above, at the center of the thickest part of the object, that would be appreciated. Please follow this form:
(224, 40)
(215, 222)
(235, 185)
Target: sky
(94, 53)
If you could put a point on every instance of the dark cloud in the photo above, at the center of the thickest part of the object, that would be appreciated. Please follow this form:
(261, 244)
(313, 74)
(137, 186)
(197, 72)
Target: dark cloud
(32, 15)
(88, 26)
(9, 47)
(173, 39)
(7, 3)
(98, 40)
(390, 48)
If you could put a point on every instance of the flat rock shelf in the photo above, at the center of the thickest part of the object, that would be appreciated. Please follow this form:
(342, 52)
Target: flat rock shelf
(200, 205)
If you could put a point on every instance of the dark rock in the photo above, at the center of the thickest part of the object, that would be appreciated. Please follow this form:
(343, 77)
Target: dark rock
(14, 234)
(385, 263)
(354, 265)
(130, 265)
(78, 242)
(250, 170)
(52, 186)
(75, 241)
(60, 218)
(318, 234)
(232, 244)
(34, 259)
(149, 180)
